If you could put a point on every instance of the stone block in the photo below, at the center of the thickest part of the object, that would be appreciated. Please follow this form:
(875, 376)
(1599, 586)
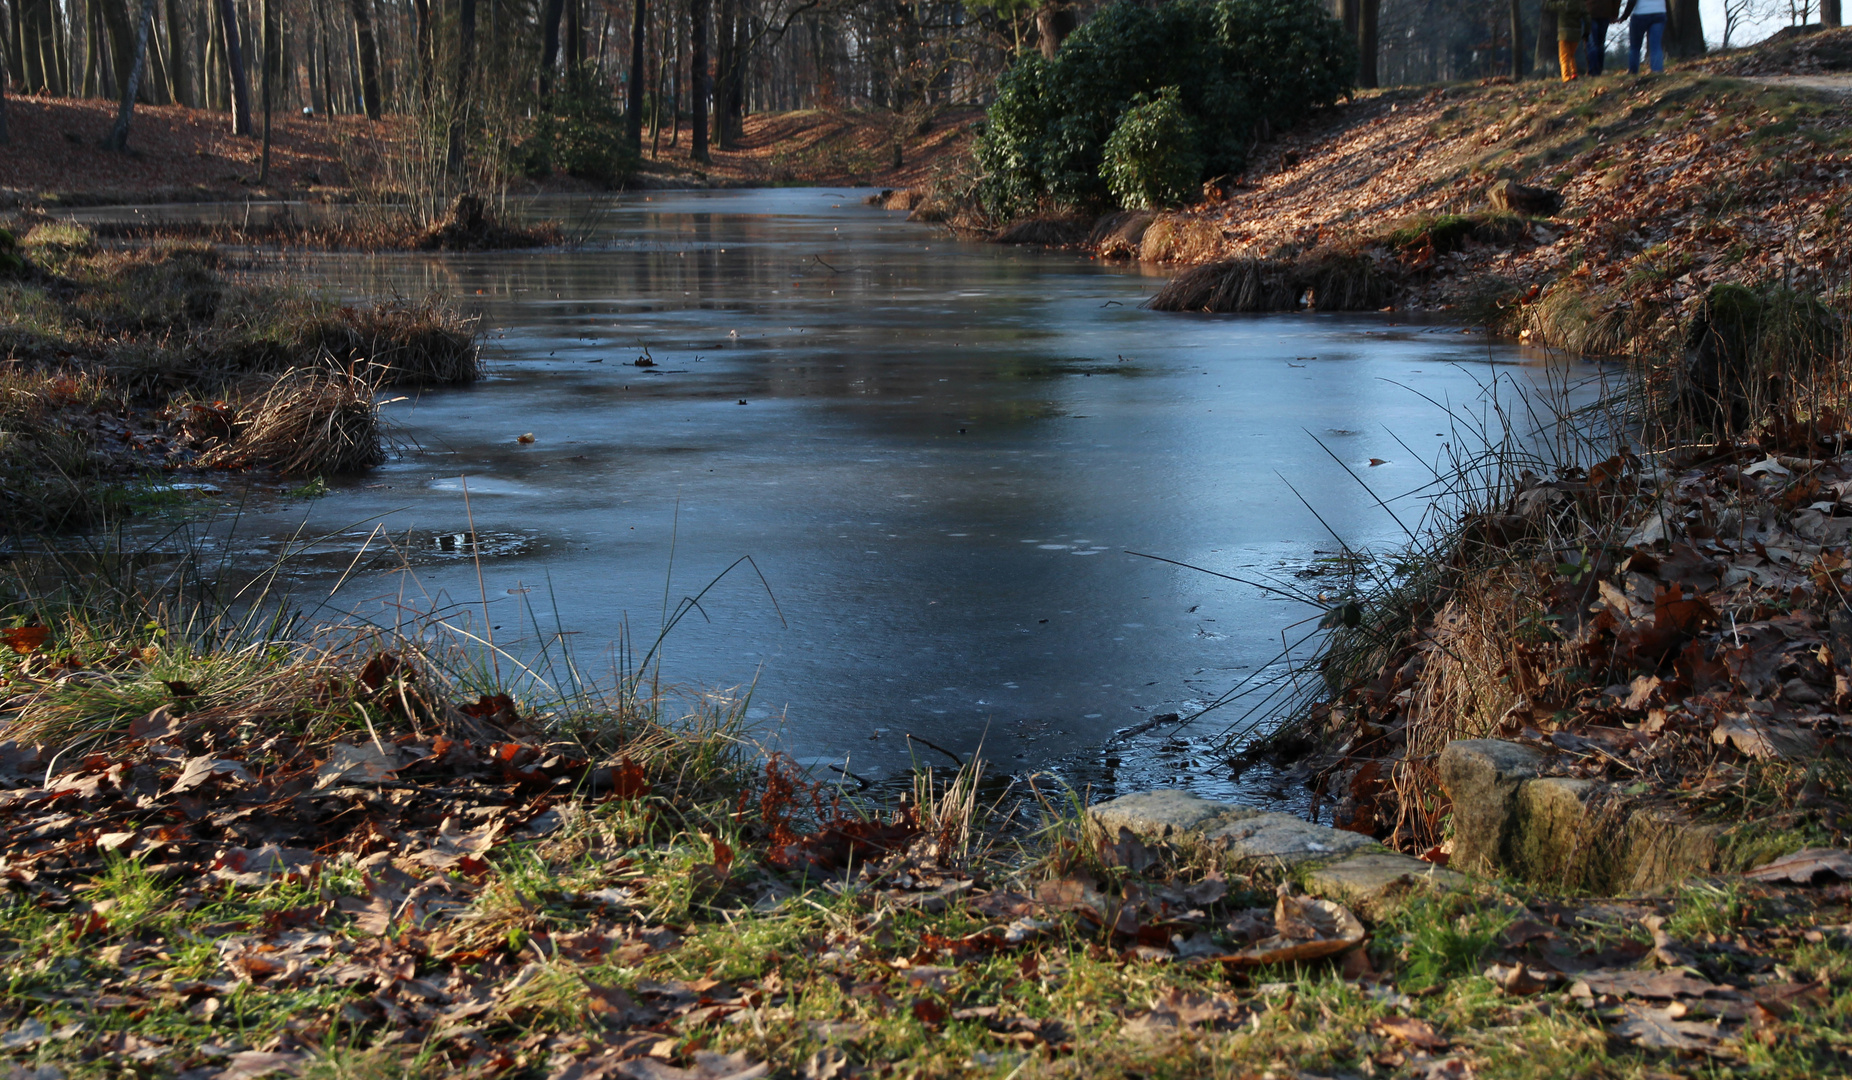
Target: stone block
(1482, 777)
(1579, 836)
(1374, 884)
(1552, 836)
(1663, 847)
(1165, 815)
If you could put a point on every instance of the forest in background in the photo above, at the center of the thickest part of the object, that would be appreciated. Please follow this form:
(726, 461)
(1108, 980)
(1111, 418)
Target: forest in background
(495, 88)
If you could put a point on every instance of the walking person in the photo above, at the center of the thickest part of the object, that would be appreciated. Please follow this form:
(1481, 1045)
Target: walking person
(1569, 18)
(1601, 15)
(1648, 21)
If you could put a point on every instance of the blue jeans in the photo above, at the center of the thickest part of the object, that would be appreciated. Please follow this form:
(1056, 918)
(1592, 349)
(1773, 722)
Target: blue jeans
(1595, 36)
(1653, 29)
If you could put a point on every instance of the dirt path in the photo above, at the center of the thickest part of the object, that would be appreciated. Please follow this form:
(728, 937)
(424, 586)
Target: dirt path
(1838, 85)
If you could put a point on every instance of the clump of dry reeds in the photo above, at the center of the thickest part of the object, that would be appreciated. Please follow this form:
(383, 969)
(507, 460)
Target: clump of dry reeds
(414, 343)
(1181, 238)
(1118, 235)
(1322, 279)
(1046, 231)
(378, 228)
(317, 421)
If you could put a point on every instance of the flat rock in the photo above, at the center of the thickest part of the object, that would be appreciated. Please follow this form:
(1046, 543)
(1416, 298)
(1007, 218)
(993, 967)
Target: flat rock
(1161, 815)
(1282, 839)
(1374, 883)
(1249, 835)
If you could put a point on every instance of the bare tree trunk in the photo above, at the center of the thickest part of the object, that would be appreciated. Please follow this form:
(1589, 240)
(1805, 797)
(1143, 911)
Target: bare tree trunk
(40, 66)
(1543, 61)
(1517, 39)
(549, 43)
(1829, 13)
(119, 135)
(1054, 21)
(633, 120)
(180, 82)
(1368, 18)
(5, 74)
(212, 72)
(466, 56)
(698, 85)
(369, 56)
(427, 59)
(1684, 30)
(575, 36)
(723, 69)
(266, 51)
(154, 86)
(234, 60)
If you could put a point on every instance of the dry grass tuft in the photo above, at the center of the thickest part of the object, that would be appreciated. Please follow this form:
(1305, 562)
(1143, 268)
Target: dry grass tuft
(311, 422)
(1324, 279)
(1046, 231)
(1118, 235)
(1180, 238)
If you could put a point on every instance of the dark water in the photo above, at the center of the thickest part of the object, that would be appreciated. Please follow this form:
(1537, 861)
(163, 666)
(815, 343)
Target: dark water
(938, 454)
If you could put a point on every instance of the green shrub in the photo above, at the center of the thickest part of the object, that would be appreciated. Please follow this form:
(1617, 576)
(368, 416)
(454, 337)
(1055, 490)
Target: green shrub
(12, 263)
(581, 134)
(1240, 68)
(1152, 159)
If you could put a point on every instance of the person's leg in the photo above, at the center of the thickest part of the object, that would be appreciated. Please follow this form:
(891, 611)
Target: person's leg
(1655, 42)
(1636, 29)
(1597, 39)
(1565, 55)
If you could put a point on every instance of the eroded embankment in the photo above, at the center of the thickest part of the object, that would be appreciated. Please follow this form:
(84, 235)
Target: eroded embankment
(1648, 191)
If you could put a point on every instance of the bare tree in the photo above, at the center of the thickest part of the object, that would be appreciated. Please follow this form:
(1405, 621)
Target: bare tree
(369, 56)
(1684, 30)
(633, 118)
(5, 136)
(1736, 13)
(234, 58)
(118, 138)
(549, 43)
(267, 49)
(698, 85)
(466, 59)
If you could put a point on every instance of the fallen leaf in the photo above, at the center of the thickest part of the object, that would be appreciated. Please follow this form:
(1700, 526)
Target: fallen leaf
(25, 639)
(1416, 1033)
(1764, 740)
(707, 1066)
(1806, 866)
(201, 769)
(1658, 1029)
(250, 1064)
(1305, 929)
(363, 764)
(1517, 979)
(1663, 985)
(828, 1063)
